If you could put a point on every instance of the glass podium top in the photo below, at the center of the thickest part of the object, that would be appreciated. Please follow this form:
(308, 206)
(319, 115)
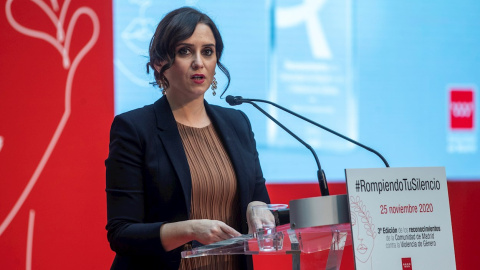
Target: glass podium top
(279, 240)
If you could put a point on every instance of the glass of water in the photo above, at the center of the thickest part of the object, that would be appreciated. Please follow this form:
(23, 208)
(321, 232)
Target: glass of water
(266, 222)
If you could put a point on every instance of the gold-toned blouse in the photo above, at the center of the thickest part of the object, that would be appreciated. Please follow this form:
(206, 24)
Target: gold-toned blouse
(214, 189)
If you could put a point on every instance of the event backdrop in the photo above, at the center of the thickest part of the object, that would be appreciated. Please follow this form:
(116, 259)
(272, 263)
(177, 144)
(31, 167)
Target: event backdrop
(399, 76)
(387, 73)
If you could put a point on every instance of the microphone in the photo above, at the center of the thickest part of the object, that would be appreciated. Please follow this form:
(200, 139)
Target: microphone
(237, 100)
(234, 100)
(322, 180)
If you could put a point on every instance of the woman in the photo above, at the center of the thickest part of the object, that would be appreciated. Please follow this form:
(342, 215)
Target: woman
(181, 171)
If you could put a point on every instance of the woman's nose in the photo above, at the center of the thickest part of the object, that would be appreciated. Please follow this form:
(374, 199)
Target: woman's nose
(197, 62)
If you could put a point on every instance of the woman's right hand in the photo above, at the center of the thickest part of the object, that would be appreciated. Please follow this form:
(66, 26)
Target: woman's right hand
(208, 231)
(205, 231)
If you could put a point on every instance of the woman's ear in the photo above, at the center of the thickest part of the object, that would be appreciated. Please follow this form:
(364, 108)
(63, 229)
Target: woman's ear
(157, 67)
(159, 64)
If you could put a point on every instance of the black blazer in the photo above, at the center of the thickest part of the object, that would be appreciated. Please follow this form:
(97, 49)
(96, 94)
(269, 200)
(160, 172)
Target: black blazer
(148, 179)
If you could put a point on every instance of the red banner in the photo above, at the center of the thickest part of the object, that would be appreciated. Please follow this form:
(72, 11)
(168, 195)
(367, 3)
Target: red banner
(56, 106)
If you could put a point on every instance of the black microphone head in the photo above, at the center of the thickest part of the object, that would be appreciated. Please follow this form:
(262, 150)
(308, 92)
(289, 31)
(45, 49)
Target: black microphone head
(230, 100)
(234, 100)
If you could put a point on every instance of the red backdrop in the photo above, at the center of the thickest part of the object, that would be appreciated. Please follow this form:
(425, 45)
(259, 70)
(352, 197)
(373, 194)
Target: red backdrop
(54, 144)
(56, 106)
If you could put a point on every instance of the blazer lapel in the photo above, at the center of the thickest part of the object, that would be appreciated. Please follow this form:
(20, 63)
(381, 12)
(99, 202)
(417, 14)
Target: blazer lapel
(171, 140)
(228, 135)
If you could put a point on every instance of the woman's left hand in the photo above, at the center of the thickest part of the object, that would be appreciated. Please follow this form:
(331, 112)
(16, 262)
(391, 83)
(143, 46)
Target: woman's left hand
(256, 219)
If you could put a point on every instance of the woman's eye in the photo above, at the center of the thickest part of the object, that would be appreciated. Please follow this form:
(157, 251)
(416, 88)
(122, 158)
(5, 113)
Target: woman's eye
(183, 51)
(208, 52)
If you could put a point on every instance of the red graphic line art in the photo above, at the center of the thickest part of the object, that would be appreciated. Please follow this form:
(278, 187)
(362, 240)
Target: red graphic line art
(54, 4)
(63, 50)
(31, 223)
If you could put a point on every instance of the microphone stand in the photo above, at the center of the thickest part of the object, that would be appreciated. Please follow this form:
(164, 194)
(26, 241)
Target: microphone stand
(317, 211)
(237, 100)
(322, 180)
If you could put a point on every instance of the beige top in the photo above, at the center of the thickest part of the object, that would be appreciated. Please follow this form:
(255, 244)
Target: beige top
(214, 189)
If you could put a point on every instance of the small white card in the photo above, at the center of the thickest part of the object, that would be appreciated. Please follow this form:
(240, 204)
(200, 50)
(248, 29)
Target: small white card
(400, 218)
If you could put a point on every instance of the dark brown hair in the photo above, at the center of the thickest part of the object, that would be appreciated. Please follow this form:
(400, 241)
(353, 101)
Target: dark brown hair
(177, 26)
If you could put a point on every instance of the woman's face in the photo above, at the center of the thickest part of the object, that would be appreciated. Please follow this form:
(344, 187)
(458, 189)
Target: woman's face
(194, 67)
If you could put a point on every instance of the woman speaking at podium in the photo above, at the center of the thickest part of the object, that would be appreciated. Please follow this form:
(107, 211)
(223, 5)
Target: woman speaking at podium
(180, 171)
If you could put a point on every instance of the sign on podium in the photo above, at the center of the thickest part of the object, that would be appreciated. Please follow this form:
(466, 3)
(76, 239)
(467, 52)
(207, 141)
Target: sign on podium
(400, 218)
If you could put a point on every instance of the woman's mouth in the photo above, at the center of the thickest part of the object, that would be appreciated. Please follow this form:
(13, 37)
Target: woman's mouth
(198, 78)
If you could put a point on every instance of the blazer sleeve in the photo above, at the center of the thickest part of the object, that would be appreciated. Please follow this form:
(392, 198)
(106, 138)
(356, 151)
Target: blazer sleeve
(128, 233)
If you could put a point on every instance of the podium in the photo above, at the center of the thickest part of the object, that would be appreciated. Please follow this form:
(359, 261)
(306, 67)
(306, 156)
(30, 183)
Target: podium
(318, 225)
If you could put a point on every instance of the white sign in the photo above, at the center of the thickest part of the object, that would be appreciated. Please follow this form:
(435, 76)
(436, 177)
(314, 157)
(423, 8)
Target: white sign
(400, 218)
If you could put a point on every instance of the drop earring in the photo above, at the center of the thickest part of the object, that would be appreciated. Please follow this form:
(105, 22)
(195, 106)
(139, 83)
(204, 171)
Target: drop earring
(161, 85)
(214, 86)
